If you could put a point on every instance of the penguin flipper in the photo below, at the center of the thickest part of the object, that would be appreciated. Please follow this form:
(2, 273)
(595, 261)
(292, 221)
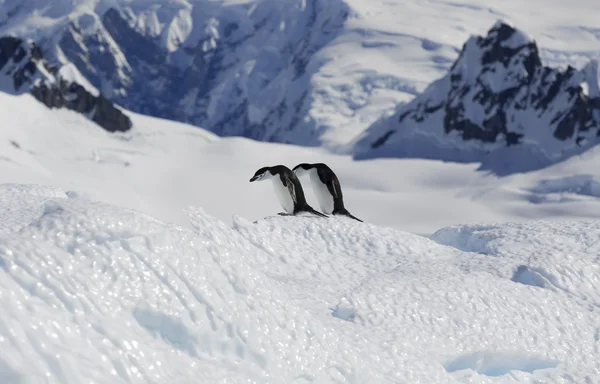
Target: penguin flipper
(344, 212)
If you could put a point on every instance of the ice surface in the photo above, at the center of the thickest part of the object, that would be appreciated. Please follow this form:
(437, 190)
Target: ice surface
(561, 255)
(498, 364)
(91, 291)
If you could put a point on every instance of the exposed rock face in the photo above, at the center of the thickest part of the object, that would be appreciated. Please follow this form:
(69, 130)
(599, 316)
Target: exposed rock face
(497, 94)
(24, 65)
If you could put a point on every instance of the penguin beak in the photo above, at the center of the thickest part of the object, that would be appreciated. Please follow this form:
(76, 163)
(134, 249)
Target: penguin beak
(254, 178)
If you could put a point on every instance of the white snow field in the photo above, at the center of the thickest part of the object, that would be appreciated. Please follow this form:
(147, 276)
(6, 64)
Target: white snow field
(91, 292)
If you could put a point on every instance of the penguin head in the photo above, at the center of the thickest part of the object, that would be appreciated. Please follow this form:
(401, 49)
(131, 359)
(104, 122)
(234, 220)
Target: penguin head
(302, 169)
(261, 174)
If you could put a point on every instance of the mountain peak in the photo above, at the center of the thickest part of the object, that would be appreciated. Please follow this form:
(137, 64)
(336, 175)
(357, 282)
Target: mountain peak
(507, 34)
(497, 94)
(503, 49)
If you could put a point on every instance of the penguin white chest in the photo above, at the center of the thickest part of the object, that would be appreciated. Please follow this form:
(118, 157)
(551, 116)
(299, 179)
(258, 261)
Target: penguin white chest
(321, 192)
(283, 195)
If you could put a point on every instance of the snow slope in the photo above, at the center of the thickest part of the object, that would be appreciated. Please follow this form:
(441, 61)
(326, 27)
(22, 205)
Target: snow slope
(161, 167)
(207, 286)
(91, 291)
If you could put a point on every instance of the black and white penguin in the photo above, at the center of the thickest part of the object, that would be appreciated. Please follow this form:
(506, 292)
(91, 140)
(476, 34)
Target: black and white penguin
(326, 186)
(287, 188)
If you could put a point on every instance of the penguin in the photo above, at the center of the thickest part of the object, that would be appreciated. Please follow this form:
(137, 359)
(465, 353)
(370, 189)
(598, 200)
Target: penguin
(327, 188)
(288, 189)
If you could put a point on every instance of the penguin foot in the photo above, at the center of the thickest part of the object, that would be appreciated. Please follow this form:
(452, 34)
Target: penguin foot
(345, 212)
(310, 210)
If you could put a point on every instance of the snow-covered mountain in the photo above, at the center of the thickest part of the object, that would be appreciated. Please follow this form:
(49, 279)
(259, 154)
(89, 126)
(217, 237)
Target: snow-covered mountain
(315, 72)
(498, 100)
(239, 68)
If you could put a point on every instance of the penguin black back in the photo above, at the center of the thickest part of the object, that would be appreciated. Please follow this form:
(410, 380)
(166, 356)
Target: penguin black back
(330, 181)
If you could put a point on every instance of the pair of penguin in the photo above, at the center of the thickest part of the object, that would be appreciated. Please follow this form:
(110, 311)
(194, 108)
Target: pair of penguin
(291, 195)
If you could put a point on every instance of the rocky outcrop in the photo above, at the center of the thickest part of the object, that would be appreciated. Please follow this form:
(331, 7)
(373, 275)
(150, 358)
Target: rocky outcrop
(23, 62)
(497, 94)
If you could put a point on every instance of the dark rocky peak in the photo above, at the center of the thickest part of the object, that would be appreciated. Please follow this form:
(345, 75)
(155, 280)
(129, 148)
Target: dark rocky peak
(24, 63)
(506, 52)
(20, 61)
(490, 72)
(497, 94)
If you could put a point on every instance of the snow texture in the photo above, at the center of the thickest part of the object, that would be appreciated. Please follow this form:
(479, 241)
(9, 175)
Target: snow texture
(91, 291)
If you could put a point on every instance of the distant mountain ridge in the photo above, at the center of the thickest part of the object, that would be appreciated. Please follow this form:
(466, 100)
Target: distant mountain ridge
(497, 94)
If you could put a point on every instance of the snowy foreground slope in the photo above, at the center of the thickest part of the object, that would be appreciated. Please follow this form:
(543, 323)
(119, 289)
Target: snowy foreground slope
(90, 291)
